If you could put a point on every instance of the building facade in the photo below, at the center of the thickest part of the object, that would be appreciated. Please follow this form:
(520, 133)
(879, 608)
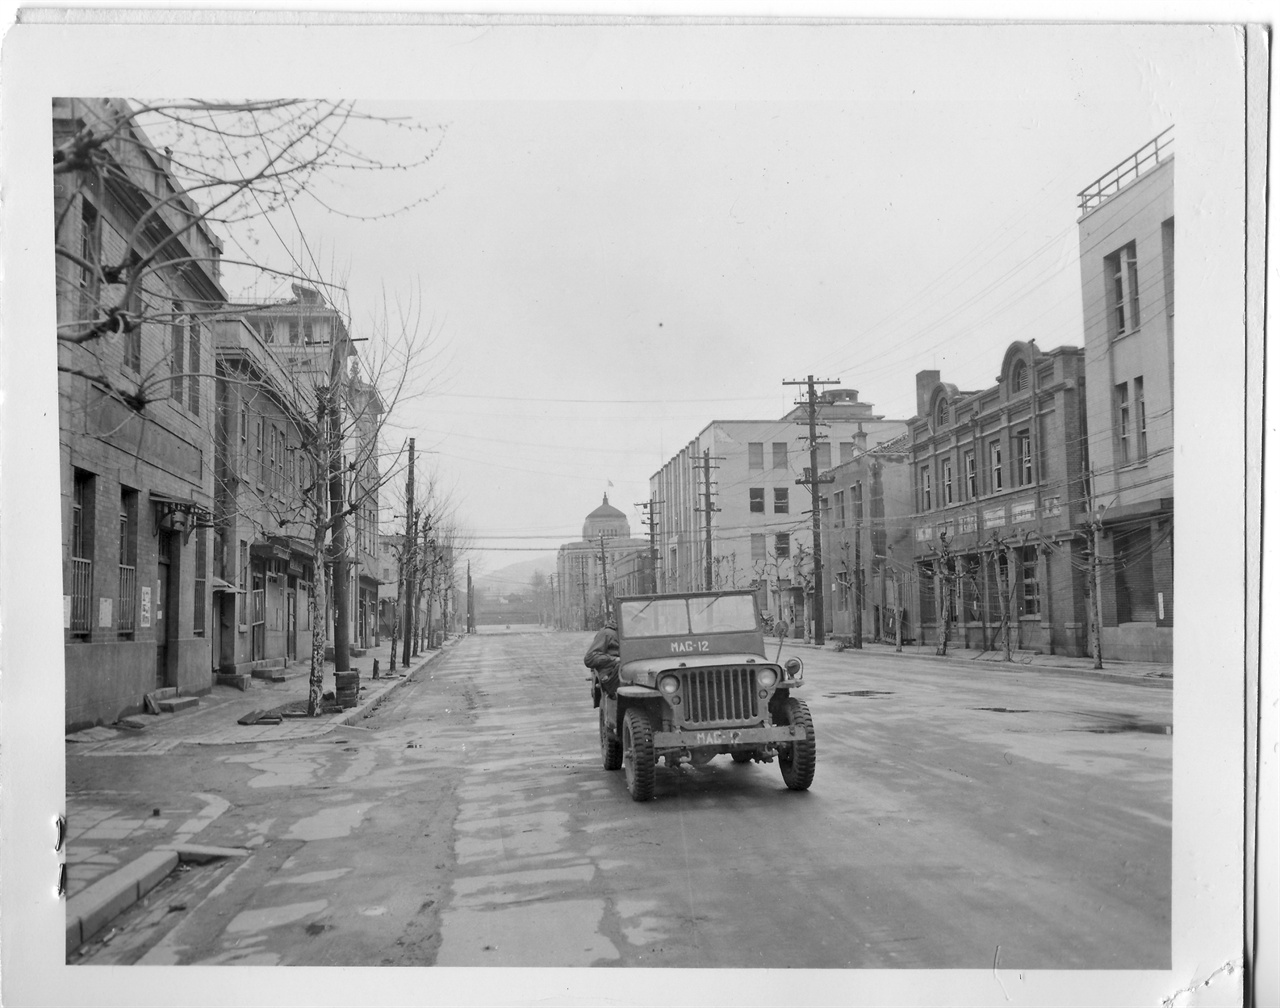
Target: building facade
(588, 569)
(1000, 505)
(1127, 282)
(731, 513)
(136, 411)
(266, 471)
(867, 540)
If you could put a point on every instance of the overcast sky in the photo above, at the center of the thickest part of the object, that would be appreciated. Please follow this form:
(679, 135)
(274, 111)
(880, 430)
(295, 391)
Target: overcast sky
(602, 278)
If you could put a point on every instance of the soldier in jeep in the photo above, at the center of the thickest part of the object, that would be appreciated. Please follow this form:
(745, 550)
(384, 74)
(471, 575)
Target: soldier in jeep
(602, 656)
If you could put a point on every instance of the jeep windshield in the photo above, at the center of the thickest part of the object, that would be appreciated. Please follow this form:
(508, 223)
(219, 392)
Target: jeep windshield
(672, 617)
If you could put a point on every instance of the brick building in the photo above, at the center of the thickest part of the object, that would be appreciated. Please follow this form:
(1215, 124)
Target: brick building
(136, 411)
(866, 543)
(999, 505)
(1127, 282)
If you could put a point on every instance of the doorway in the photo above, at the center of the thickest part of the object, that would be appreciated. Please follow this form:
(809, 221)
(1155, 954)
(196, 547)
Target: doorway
(166, 614)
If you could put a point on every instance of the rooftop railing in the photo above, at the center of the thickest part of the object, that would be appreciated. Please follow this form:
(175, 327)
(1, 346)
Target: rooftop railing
(1140, 161)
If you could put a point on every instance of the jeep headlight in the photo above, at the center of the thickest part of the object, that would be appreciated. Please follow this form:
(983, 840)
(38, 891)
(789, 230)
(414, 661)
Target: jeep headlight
(766, 677)
(794, 667)
(668, 684)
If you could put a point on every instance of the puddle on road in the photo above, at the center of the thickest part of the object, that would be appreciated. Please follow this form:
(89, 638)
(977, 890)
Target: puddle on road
(1118, 723)
(329, 824)
(257, 920)
(861, 693)
(1004, 710)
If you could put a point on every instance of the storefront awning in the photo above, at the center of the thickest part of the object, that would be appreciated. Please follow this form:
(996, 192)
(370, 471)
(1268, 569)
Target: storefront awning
(218, 585)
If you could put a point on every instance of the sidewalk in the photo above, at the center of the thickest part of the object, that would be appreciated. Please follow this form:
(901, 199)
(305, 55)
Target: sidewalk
(1138, 673)
(108, 836)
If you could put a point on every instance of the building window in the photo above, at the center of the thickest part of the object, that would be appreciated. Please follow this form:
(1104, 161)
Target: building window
(926, 488)
(1139, 418)
(133, 338)
(995, 459)
(824, 455)
(193, 364)
(307, 333)
(943, 412)
(847, 448)
(839, 501)
(757, 547)
(268, 331)
(91, 255)
(755, 455)
(782, 545)
(970, 475)
(1122, 289)
(1021, 377)
(780, 455)
(177, 345)
(81, 548)
(781, 500)
(126, 597)
(1123, 420)
(244, 421)
(293, 330)
(756, 495)
(200, 593)
(1022, 451)
(947, 482)
(1029, 564)
(1135, 577)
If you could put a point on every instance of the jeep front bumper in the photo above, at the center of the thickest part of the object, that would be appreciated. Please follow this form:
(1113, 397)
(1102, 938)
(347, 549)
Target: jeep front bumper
(691, 738)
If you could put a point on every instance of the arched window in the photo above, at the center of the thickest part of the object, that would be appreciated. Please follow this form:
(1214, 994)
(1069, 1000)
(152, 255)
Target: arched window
(944, 411)
(1021, 377)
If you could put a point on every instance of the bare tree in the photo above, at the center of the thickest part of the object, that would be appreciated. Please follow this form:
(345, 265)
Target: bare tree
(189, 175)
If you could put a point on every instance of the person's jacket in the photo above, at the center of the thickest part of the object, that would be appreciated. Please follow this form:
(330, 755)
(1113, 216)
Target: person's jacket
(603, 653)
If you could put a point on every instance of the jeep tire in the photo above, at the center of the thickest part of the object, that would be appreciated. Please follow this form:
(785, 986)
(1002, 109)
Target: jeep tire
(610, 747)
(797, 760)
(637, 753)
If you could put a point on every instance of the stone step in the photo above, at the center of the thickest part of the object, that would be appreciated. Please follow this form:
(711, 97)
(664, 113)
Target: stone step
(240, 680)
(178, 704)
(270, 674)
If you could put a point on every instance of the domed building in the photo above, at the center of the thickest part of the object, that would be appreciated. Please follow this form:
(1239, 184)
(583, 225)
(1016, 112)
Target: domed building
(604, 563)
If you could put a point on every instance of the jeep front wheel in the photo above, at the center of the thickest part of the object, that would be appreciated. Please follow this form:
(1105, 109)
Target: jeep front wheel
(610, 747)
(798, 760)
(637, 754)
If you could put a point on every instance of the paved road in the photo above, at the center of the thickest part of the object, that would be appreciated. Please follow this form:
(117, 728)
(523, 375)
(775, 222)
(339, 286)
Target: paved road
(962, 816)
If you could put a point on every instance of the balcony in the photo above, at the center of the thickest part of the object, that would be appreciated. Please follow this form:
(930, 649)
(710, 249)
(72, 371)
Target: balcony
(1146, 157)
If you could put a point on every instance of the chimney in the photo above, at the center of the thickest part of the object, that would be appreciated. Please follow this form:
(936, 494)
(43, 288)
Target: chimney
(925, 381)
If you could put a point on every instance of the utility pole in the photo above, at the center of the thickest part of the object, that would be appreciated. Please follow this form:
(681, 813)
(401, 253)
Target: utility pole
(944, 583)
(897, 606)
(651, 507)
(1002, 586)
(337, 508)
(407, 555)
(604, 573)
(814, 481)
(1096, 563)
(471, 602)
(707, 509)
(857, 564)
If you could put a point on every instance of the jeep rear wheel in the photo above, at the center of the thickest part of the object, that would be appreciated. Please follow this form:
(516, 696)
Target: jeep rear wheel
(637, 754)
(798, 760)
(610, 747)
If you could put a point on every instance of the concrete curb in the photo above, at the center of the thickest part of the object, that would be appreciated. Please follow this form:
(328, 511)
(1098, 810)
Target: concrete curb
(92, 909)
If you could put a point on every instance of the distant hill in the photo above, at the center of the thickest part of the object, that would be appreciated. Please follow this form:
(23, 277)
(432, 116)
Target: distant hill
(516, 576)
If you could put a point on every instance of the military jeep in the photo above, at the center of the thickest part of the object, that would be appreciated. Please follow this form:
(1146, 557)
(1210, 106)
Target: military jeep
(695, 683)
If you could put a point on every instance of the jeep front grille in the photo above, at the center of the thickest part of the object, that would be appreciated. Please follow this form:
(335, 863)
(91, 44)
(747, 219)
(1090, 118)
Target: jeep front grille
(720, 695)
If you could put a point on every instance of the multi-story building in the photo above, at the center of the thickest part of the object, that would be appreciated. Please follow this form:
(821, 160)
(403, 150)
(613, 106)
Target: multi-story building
(999, 505)
(587, 570)
(309, 337)
(1127, 282)
(268, 463)
(742, 476)
(136, 412)
(867, 541)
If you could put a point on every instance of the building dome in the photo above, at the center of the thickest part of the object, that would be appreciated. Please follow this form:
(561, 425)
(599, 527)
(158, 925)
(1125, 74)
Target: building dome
(606, 520)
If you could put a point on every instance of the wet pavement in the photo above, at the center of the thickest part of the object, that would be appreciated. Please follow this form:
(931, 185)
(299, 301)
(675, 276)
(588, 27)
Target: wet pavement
(959, 811)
